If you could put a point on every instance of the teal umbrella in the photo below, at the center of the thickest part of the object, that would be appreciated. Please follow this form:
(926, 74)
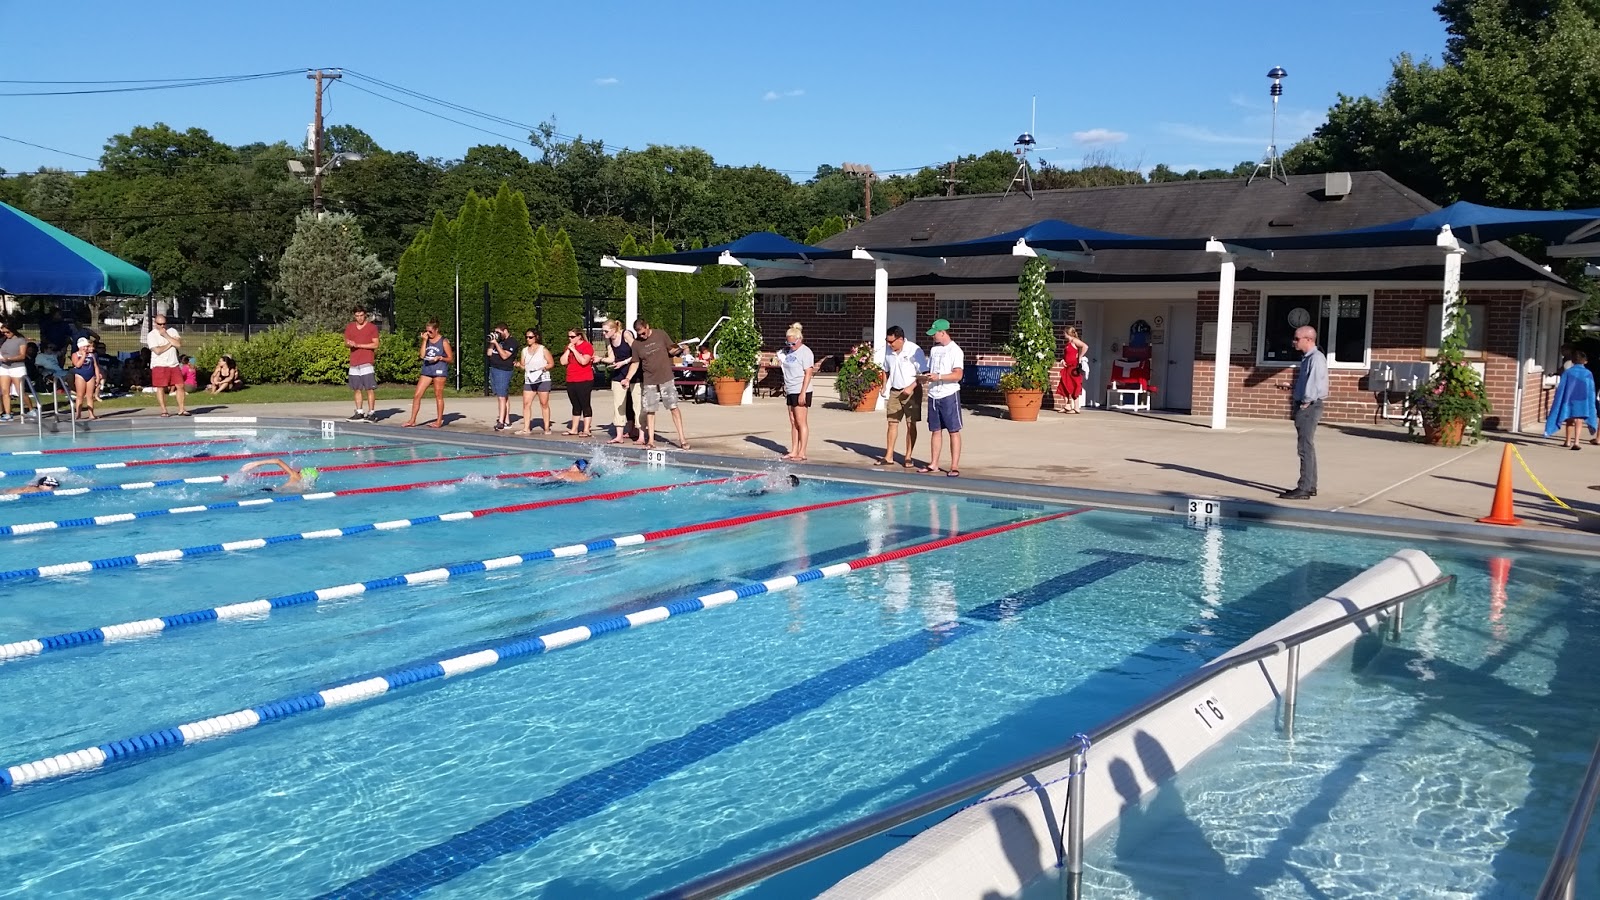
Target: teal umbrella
(39, 258)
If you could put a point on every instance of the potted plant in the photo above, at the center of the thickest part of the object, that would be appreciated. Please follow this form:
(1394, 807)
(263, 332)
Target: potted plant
(860, 378)
(1452, 402)
(738, 346)
(1032, 345)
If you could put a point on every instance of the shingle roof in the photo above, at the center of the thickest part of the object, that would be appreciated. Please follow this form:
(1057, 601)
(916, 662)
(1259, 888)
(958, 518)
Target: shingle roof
(1225, 208)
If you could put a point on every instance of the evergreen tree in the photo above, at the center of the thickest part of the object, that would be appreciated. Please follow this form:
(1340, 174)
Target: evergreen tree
(438, 278)
(516, 280)
(659, 294)
(563, 303)
(619, 277)
(326, 271)
(408, 305)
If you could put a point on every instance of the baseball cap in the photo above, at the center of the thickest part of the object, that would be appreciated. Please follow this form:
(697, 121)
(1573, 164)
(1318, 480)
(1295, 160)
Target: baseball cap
(938, 326)
(47, 482)
(582, 465)
(83, 342)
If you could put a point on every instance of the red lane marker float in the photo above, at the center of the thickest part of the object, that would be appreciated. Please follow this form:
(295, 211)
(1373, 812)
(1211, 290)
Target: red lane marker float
(386, 463)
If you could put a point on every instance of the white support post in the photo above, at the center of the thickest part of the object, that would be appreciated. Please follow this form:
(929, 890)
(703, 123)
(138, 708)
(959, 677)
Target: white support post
(1453, 252)
(880, 318)
(630, 304)
(1224, 355)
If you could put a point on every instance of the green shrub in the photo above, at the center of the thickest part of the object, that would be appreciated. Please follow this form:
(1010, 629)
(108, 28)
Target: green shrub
(324, 359)
(397, 359)
(269, 357)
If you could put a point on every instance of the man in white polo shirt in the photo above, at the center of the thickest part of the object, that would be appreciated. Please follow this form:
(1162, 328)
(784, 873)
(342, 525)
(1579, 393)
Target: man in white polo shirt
(164, 344)
(903, 361)
(943, 379)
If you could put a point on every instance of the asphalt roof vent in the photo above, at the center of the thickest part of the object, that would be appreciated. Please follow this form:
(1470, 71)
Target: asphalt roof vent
(1336, 185)
(1280, 223)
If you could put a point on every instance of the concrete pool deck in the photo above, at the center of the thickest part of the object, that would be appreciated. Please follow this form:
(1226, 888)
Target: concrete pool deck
(1368, 468)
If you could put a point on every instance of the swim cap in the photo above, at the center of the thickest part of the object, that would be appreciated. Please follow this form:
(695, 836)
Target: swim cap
(309, 473)
(47, 481)
(582, 465)
(794, 480)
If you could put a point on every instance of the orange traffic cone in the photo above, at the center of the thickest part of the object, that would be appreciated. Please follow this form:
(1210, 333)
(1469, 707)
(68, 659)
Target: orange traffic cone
(1500, 512)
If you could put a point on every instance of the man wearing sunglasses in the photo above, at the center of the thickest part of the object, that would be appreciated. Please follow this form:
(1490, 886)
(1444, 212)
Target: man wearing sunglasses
(653, 348)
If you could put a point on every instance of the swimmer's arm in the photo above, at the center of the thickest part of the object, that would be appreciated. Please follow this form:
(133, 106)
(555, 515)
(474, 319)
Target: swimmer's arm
(292, 473)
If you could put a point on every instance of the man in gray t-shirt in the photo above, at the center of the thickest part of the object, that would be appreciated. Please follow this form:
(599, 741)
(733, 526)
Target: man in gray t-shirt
(653, 348)
(13, 370)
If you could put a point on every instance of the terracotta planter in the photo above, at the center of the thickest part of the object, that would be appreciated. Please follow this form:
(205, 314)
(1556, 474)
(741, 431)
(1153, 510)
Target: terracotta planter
(1444, 434)
(730, 391)
(1023, 406)
(869, 401)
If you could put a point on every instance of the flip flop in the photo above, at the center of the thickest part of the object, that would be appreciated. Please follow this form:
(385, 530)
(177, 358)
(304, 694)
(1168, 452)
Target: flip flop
(408, 425)
(883, 462)
(953, 473)
(617, 441)
(684, 445)
(928, 470)
(166, 415)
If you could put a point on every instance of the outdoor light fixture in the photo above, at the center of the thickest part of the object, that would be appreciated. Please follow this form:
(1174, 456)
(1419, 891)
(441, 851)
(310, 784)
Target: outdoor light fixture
(298, 168)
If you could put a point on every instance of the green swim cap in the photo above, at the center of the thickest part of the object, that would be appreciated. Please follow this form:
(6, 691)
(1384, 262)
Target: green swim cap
(309, 473)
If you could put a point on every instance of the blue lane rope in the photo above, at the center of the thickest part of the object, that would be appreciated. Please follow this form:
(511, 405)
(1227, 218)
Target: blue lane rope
(108, 633)
(368, 688)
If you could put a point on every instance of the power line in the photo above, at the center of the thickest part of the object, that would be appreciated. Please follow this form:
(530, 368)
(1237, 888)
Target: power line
(51, 149)
(429, 112)
(166, 86)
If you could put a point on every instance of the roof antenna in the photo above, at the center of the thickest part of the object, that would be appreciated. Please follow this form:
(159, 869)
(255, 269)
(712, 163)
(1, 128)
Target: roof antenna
(1270, 161)
(1021, 147)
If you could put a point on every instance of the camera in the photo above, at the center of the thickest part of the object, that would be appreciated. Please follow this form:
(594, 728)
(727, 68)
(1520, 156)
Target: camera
(493, 336)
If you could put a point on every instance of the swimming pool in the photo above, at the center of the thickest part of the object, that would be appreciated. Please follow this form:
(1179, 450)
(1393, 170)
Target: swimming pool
(623, 764)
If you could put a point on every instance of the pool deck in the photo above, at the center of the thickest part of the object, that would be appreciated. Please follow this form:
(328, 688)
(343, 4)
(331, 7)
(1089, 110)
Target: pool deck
(1367, 468)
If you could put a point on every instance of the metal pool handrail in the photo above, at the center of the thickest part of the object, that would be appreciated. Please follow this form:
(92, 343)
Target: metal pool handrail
(801, 852)
(1560, 883)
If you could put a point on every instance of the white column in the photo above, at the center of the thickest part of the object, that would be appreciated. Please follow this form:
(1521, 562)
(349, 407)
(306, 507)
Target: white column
(880, 318)
(749, 395)
(630, 292)
(1453, 252)
(1219, 376)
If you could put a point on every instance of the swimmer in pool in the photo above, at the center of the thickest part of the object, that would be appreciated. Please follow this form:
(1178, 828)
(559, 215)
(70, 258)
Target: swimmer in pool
(761, 488)
(300, 480)
(44, 484)
(577, 473)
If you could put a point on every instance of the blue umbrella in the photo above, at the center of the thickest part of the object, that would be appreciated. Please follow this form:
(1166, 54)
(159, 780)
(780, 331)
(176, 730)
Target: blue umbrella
(763, 245)
(1050, 234)
(39, 258)
(1471, 222)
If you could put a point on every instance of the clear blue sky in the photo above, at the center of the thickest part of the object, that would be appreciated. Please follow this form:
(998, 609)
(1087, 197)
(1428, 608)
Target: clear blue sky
(896, 85)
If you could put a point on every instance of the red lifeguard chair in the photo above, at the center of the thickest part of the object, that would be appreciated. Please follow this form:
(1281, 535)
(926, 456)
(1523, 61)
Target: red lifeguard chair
(1130, 387)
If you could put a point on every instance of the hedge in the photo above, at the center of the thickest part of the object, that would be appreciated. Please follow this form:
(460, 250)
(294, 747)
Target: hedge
(283, 355)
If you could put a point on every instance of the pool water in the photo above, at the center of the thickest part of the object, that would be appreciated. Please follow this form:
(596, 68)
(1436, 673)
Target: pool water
(1441, 765)
(618, 767)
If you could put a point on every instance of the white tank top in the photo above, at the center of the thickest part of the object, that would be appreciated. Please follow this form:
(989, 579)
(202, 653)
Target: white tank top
(533, 364)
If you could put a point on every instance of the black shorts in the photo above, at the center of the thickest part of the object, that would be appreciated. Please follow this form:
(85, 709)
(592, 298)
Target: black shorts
(800, 399)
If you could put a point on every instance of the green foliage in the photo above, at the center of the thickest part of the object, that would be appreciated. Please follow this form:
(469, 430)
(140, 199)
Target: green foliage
(326, 271)
(409, 309)
(287, 355)
(830, 226)
(859, 374)
(1033, 344)
(563, 301)
(1455, 391)
(739, 341)
(396, 359)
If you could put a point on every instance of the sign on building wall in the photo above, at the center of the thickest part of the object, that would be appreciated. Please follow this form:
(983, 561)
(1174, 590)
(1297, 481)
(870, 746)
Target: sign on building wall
(1244, 334)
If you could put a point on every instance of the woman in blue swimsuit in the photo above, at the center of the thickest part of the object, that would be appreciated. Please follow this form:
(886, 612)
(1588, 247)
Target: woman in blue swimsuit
(86, 377)
(436, 359)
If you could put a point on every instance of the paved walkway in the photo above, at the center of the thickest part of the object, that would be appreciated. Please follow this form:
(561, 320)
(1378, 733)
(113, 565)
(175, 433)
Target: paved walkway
(1364, 468)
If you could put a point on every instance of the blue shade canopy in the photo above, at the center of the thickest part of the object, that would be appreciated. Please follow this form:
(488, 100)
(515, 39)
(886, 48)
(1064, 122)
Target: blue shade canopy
(39, 258)
(1470, 222)
(756, 245)
(1050, 234)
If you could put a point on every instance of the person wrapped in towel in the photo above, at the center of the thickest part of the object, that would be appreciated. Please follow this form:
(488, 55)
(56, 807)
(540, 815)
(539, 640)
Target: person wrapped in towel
(1574, 402)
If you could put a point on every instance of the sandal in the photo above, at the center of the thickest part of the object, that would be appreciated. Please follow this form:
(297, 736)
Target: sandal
(953, 473)
(929, 470)
(883, 462)
(166, 415)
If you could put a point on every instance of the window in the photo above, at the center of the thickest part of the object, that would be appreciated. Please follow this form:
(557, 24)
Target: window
(999, 329)
(954, 310)
(830, 303)
(775, 303)
(1343, 324)
(1477, 334)
(1060, 312)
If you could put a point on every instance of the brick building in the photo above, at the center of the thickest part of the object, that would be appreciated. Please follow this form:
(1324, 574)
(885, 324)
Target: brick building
(1377, 310)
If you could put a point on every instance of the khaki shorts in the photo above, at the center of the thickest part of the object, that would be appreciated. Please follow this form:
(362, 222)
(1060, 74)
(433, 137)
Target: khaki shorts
(907, 408)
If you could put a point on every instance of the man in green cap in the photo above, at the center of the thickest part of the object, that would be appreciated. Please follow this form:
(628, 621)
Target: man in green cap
(943, 379)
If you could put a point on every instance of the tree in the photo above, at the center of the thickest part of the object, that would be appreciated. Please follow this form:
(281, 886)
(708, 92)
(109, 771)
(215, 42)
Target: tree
(563, 302)
(830, 226)
(1032, 345)
(409, 310)
(514, 279)
(326, 271)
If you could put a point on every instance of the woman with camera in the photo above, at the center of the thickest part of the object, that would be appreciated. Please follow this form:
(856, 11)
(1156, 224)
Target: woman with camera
(436, 357)
(500, 365)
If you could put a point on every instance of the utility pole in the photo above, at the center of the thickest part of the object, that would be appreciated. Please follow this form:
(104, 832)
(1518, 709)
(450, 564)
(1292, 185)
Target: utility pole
(950, 181)
(316, 138)
(865, 173)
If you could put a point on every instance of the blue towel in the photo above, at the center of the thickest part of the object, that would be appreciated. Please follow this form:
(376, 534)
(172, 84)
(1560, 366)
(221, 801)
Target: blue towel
(1574, 400)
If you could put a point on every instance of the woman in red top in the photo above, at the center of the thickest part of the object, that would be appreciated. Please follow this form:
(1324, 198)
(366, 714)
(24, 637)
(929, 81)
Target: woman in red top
(579, 360)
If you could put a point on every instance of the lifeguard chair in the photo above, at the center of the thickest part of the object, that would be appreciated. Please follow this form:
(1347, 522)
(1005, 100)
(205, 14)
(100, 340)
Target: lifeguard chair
(1130, 387)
